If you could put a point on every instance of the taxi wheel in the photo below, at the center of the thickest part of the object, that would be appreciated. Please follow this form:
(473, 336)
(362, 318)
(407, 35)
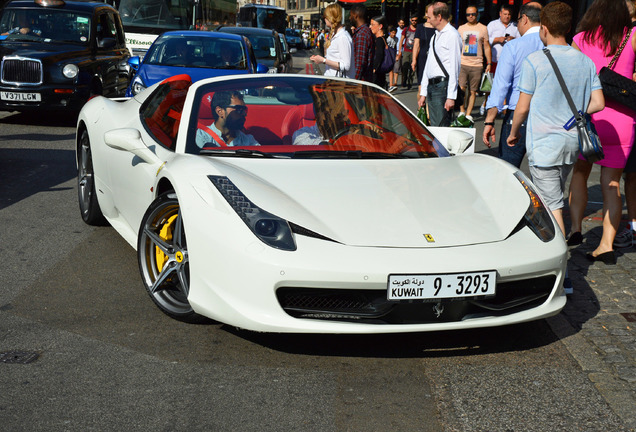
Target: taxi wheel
(162, 252)
(89, 207)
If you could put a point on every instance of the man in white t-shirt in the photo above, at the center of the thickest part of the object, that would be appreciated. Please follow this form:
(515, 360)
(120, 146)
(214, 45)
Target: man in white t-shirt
(500, 31)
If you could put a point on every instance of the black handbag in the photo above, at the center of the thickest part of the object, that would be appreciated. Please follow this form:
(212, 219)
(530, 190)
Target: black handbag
(589, 142)
(616, 87)
(389, 59)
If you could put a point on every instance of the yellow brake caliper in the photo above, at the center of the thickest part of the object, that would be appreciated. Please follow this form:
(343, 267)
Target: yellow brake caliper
(166, 234)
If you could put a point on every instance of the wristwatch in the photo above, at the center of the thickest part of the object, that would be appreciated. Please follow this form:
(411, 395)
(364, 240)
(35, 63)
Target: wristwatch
(489, 123)
(324, 61)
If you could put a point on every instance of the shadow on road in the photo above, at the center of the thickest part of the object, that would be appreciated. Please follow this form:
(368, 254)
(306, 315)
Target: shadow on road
(29, 171)
(409, 345)
(41, 118)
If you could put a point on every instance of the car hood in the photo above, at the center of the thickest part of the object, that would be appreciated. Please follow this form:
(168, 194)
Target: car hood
(437, 202)
(42, 51)
(153, 74)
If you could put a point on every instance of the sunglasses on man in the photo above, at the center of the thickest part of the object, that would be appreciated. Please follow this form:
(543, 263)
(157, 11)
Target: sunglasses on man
(471, 14)
(241, 109)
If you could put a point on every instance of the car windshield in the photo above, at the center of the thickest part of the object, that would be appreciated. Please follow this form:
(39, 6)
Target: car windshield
(264, 46)
(292, 32)
(304, 117)
(46, 25)
(197, 52)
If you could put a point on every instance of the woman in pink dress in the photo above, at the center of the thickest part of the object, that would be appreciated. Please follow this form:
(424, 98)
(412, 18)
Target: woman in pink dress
(600, 33)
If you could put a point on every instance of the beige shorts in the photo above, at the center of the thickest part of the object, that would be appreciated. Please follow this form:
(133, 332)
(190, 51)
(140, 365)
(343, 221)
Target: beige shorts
(470, 76)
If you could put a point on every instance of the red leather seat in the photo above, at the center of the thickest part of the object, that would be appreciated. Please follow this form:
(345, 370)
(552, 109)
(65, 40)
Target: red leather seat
(298, 117)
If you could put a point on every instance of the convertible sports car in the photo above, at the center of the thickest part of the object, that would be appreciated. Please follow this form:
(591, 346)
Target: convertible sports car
(337, 211)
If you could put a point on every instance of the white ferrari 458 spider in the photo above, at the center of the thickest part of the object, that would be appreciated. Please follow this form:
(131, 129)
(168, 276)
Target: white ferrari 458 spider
(289, 203)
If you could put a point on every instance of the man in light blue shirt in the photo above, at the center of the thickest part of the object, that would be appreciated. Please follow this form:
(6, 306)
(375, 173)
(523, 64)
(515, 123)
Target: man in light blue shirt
(504, 87)
(553, 149)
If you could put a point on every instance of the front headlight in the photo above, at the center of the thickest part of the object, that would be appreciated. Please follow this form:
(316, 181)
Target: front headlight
(70, 71)
(537, 216)
(270, 229)
(137, 86)
(272, 70)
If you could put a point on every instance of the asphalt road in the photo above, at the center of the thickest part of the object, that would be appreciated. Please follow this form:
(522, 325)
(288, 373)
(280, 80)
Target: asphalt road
(104, 358)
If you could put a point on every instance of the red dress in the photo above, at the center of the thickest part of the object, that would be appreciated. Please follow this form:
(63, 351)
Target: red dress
(615, 123)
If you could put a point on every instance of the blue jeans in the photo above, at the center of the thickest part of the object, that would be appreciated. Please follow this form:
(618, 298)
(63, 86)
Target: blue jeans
(435, 100)
(513, 155)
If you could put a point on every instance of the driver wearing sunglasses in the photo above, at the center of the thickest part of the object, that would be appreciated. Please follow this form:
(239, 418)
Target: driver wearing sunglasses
(229, 112)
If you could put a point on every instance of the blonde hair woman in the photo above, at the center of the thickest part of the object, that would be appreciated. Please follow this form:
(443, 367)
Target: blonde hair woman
(339, 47)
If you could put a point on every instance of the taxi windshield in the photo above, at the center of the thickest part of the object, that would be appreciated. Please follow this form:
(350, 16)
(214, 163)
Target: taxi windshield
(304, 118)
(47, 25)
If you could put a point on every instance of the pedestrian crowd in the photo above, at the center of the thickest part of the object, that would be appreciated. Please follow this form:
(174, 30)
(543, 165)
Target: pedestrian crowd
(526, 69)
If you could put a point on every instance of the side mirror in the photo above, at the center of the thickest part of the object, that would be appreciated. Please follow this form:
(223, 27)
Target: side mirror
(261, 68)
(455, 140)
(134, 62)
(106, 43)
(130, 140)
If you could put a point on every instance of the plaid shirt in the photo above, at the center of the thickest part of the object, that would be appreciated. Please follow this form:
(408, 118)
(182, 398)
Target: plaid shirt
(363, 50)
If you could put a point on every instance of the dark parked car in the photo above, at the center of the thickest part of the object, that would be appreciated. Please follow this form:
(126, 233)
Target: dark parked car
(287, 54)
(266, 46)
(57, 54)
(294, 38)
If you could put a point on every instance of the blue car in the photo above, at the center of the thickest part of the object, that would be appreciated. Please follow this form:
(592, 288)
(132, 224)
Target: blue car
(195, 53)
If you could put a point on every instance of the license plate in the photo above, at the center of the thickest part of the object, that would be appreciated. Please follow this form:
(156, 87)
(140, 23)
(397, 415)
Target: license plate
(441, 286)
(20, 97)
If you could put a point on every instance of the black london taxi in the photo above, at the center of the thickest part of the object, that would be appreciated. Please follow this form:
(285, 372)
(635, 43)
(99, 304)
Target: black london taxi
(57, 54)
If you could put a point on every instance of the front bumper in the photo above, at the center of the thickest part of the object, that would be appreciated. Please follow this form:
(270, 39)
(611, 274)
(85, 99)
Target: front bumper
(239, 281)
(53, 97)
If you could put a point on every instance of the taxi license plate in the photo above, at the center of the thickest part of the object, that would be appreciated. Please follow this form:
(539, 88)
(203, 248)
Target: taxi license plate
(20, 97)
(441, 286)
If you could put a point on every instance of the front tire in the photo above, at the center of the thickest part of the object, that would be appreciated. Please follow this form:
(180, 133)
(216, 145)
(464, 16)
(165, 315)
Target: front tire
(162, 252)
(89, 206)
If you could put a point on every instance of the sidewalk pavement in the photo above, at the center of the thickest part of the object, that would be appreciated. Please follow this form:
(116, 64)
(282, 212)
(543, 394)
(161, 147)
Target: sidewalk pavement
(598, 323)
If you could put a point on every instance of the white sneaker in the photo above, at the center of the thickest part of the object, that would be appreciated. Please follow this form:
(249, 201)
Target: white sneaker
(392, 89)
(482, 110)
(625, 238)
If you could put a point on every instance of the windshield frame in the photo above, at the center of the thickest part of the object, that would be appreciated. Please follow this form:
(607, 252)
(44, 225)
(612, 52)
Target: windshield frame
(383, 130)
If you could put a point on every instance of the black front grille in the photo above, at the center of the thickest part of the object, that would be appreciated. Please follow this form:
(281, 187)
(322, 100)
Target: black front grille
(21, 71)
(372, 306)
(350, 302)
